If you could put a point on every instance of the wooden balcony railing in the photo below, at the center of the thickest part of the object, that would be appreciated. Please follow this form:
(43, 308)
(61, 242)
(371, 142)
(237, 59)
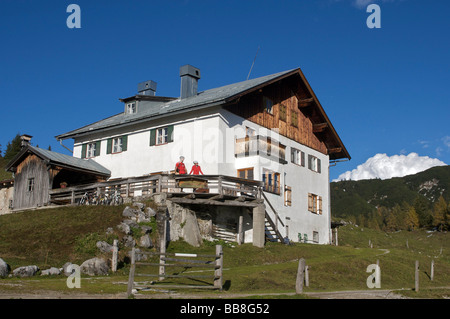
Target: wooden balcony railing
(167, 183)
(260, 145)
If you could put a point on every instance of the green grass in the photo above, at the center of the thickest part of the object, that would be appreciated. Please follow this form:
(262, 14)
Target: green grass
(52, 237)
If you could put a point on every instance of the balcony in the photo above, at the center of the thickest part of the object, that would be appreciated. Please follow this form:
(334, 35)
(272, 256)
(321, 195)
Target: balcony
(262, 146)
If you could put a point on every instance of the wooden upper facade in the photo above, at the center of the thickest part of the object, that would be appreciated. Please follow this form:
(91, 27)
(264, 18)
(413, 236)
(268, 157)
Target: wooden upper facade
(290, 106)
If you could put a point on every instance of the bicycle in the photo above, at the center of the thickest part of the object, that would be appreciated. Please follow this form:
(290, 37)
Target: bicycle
(116, 199)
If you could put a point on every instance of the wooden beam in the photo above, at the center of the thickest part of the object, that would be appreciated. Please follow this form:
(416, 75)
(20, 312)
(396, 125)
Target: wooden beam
(305, 102)
(334, 150)
(319, 127)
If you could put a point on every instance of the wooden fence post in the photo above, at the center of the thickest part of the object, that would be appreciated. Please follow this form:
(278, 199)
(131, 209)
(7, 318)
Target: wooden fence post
(306, 276)
(432, 270)
(162, 248)
(131, 276)
(114, 255)
(300, 276)
(241, 229)
(416, 275)
(218, 273)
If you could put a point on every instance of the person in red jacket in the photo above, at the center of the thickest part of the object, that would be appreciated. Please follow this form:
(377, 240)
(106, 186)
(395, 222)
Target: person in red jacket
(180, 168)
(196, 169)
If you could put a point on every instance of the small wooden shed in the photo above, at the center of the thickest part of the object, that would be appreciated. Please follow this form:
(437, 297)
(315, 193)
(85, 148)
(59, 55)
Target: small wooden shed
(36, 171)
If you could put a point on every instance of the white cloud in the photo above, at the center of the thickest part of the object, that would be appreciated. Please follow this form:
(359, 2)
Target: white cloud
(384, 167)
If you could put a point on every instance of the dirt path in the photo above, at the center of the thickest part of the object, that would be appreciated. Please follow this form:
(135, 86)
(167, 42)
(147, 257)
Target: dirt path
(351, 294)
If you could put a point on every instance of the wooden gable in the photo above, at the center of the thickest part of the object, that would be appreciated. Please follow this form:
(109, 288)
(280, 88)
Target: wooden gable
(296, 113)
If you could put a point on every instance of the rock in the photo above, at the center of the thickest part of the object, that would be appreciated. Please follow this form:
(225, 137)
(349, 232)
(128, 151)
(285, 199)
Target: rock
(25, 271)
(139, 205)
(138, 255)
(123, 227)
(142, 218)
(4, 268)
(104, 247)
(109, 231)
(51, 271)
(94, 267)
(130, 212)
(150, 212)
(146, 229)
(145, 242)
(131, 223)
(128, 241)
(67, 269)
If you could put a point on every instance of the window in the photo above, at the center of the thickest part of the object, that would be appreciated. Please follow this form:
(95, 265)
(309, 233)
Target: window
(90, 149)
(315, 204)
(161, 135)
(117, 144)
(250, 131)
(297, 157)
(30, 184)
(246, 173)
(283, 112)
(268, 105)
(287, 196)
(315, 237)
(271, 181)
(131, 108)
(314, 164)
(294, 119)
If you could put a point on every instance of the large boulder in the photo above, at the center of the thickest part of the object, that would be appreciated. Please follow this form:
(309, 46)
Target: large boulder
(25, 271)
(67, 269)
(104, 247)
(130, 212)
(4, 268)
(50, 271)
(94, 267)
(123, 227)
(145, 242)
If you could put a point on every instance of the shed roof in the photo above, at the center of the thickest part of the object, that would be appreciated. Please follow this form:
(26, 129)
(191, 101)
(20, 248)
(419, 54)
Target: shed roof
(87, 165)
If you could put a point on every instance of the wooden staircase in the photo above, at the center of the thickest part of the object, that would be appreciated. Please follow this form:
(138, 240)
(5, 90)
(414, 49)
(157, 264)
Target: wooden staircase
(271, 227)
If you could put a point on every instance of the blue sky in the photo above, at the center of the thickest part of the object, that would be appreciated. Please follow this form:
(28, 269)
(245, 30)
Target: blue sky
(385, 90)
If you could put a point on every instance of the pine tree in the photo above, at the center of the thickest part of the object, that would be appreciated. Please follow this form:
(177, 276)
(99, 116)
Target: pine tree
(13, 147)
(422, 207)
(440, 214)
(412, 220)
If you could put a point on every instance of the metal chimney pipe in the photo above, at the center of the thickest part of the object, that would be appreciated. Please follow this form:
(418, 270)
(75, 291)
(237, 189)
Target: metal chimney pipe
(189, 80)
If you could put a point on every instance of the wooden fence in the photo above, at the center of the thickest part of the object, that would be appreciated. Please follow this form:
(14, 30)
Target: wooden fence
(178, 265)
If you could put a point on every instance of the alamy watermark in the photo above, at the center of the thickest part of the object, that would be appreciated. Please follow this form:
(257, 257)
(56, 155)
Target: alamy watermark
(374, 280)
(74, 279)
(74, 19)
(374, 19)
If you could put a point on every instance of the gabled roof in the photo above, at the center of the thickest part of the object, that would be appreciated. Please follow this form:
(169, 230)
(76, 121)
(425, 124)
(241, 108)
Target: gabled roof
(67, 161)
(213, 97)
(204, 98)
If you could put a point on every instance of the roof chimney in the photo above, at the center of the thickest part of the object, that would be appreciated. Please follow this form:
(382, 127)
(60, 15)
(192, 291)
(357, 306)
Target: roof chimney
(189, 80)
(25, 140)
(147, 88)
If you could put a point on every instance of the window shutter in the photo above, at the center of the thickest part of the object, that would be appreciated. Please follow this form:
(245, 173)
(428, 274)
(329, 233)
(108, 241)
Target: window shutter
(109, 146)
(309, 161)
(124, 143)
(303, 159)
(97, 148)
(83, 150)
(152, 137)
(170, 133)
(310, 202)
(320, 205)
(318, 166)
(292, 155)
